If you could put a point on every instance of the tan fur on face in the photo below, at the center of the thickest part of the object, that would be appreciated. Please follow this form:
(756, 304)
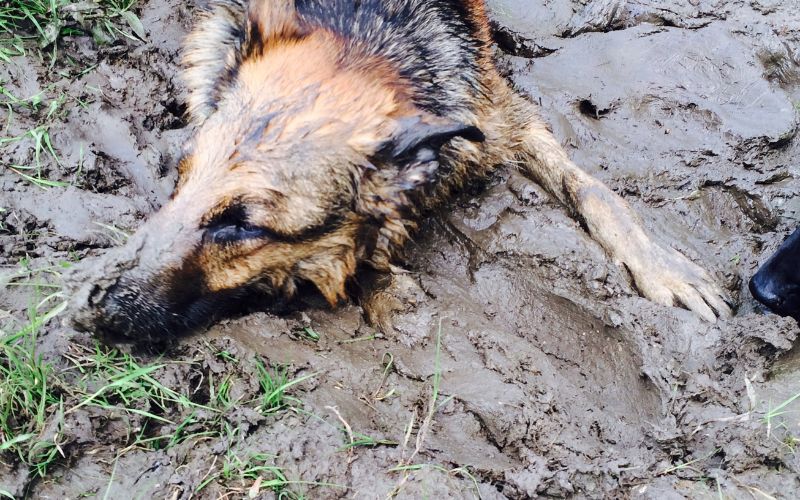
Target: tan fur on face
(292, 170)
(327, 262)
(288, 140)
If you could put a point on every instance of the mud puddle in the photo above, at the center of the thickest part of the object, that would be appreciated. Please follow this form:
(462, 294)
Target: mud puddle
(553, 377)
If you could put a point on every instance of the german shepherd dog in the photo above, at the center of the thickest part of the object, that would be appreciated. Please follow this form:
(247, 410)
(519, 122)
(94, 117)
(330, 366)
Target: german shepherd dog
(323, 130)
(777, 282)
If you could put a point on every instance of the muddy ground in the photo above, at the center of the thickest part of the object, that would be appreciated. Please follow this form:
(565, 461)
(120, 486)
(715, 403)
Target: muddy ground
(557, 379)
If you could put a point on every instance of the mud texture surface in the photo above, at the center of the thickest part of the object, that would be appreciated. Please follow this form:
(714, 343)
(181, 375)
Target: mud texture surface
(556, 378)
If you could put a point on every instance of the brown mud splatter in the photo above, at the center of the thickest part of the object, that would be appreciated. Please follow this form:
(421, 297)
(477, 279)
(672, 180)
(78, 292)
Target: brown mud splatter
(559, 380)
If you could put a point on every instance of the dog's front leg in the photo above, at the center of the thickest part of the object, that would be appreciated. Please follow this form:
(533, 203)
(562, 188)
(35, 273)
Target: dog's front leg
(660, 273)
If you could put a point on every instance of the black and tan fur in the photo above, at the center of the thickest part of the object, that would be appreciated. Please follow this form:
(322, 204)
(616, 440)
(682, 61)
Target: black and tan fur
(324, 129)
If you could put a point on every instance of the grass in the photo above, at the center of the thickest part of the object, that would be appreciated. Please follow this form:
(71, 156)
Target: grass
(38, 136)
(28, 392)
(310, 334)
(458, 471)
(365, 441)
(690, 463)
(773, 414)
(774, 418)
(274, 384)
(256, 467)
(116, 382)
(406, 466)
(47, 21)
(255, 473)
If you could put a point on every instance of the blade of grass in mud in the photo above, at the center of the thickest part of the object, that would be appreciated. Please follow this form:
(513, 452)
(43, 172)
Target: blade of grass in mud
(117, 383)
(274, 385)
(35, 324)
(15, 441)
(311, 334)
(358, 339)
(282, 388)
(457, 471)
(367, 441)
(779, 410)
(111, 479)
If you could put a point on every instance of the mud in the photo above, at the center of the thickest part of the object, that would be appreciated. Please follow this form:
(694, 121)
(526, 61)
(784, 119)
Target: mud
(558, 379)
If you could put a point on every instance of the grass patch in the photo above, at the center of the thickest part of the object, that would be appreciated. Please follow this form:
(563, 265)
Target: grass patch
(45, 113)
(256, 473)
(38, 394)
(46, 21)
(258, 469)
(274, 384)
(364, 441)
(690, 463)
(29, 395)
(115, 382)
(773, 416)
(310, 334)
(458, 472)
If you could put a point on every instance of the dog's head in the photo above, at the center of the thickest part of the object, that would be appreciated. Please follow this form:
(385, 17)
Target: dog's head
(306, 160)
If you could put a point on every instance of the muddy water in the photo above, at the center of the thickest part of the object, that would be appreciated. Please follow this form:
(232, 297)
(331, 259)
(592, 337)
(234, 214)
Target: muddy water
(561, 380)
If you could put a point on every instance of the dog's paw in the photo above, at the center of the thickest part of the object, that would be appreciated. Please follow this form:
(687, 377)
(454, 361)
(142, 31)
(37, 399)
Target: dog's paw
(393, 295)
(667, 277)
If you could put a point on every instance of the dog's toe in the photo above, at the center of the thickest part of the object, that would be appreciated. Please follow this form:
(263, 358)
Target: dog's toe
(667, 277)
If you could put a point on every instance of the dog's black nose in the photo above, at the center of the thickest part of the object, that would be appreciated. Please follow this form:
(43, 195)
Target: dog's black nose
(766, 291)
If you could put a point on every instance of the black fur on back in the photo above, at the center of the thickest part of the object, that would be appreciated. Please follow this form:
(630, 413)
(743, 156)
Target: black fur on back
(433, 44)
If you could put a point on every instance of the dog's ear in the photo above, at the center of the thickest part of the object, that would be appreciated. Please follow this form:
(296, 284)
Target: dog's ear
(406, 161)
(415, 146)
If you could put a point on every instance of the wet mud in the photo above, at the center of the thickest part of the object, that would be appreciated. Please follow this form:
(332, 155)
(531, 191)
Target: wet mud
(555, 378)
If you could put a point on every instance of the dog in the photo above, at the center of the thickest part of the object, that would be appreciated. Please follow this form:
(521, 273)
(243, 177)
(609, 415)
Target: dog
(324, 130)
(777, 282)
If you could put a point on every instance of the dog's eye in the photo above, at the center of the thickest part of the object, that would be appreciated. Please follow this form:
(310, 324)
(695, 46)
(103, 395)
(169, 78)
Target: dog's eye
(232, 225)
(235, 233)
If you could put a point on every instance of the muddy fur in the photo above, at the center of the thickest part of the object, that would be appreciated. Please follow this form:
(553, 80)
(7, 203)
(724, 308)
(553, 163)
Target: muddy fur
(324, 131)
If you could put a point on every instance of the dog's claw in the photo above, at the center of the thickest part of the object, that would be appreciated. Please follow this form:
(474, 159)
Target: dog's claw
(399, 293)
(667, 277)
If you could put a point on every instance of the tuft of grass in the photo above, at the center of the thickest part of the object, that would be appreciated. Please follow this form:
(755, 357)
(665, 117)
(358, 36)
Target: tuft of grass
(312, 335)
(43, 152)
(116, 382)
(458, 471)
(47, 21)
(28, 394)
(274, 384)
(772, 414)
(256, 466)
(255, 473)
